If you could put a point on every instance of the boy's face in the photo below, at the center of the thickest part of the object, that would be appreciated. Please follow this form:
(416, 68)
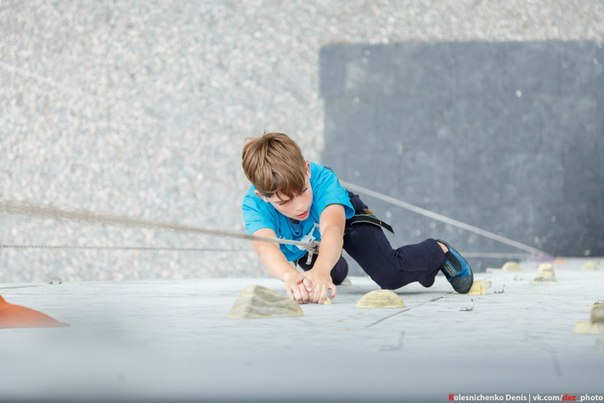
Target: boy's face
(297, 208)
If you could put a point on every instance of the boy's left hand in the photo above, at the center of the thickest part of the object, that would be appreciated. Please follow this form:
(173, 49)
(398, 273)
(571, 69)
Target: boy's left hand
(321, 282)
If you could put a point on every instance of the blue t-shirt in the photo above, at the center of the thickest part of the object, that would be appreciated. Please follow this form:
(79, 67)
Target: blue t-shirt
(326, 190)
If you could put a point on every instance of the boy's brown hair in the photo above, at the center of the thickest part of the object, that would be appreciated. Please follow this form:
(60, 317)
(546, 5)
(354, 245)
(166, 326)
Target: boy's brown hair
(274, 162)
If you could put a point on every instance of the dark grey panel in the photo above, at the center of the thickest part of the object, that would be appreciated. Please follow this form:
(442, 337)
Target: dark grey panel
(533, 67)
(508, 137)
(583, 170)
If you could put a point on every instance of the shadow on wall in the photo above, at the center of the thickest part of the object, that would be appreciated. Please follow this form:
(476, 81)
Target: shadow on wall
(508, 137)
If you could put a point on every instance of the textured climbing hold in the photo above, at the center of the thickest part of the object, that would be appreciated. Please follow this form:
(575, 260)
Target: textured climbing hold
(597, 312)
(545, 269)
(596, 320)
(468, 308)
(590, 265)
(346, 281)
(12, 316)
(511, 267)
(260, 302)
(480, 287)
(380, 299)
(545, 274)
(327, 301)
(55, 280)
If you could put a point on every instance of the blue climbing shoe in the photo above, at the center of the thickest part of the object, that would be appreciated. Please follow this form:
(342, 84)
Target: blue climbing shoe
(457, 270)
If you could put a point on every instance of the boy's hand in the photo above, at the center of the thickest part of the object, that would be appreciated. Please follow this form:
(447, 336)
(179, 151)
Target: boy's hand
(297, 287)
(321, 282)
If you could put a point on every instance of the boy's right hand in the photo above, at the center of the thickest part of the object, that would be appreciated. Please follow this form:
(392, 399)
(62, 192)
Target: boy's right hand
(296, 287)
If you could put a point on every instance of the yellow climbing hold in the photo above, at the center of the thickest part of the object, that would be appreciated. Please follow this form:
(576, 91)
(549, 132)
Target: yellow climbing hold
(380, 299)
(545, 269)
(511, 267)
(597, 312)
(545, 274)
(480, 287)
(596, 321)
(260, 302)
(346, 281)
(590, 265)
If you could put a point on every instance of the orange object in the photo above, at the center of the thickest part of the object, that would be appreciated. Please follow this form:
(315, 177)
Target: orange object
(559, 260)
(20, 316)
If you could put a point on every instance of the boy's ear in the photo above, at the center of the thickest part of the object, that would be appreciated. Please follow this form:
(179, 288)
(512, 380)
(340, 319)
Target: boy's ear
(260, 195)
(308, 169)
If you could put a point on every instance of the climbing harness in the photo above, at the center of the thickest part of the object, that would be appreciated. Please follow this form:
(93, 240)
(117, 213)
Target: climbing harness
(367, 217)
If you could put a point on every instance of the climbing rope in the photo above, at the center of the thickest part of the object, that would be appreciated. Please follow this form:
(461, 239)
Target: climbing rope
(56, 213)
(119, 247)
(442, 218)
(310, 247)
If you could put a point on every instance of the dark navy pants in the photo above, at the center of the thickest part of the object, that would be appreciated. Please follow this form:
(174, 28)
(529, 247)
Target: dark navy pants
(389, 268)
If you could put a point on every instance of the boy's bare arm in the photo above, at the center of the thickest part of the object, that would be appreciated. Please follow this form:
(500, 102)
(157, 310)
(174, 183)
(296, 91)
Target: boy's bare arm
(331, 224)
(277, 265)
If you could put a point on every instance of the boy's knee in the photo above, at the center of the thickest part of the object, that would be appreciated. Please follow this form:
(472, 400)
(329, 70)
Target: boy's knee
(391, 283)
(339, 272)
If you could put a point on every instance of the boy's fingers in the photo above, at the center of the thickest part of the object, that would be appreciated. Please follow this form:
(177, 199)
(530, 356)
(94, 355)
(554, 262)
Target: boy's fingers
(332, 287)
(323, 294)
(307, 284)
(316, 292)
(297, 295)
(303, 292)
(319, 293)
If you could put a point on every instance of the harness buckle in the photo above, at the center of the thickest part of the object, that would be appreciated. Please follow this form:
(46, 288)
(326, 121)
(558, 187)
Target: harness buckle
(313, 248)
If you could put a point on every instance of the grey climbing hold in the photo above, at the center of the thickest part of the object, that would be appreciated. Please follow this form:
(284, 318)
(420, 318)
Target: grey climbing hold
(260, 302)
(55, 280)
(468, 308)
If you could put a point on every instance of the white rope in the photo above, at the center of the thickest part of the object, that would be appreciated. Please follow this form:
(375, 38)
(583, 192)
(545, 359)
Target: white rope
(496, 255)
(55, 213)
(442, 218)
(120, 247)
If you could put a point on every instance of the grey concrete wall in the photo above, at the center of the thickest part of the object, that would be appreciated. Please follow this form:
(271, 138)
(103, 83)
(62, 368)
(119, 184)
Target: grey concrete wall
(505, 136)
(141, 109)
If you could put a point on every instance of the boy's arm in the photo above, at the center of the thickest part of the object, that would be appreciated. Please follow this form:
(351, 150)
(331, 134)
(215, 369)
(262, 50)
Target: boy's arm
(331, 225)
(277, 265)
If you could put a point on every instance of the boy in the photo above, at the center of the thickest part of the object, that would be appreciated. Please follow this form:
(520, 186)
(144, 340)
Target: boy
(293, 199)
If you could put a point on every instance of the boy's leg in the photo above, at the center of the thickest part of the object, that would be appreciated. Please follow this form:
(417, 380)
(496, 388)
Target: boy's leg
(391, 268)
(338, 273)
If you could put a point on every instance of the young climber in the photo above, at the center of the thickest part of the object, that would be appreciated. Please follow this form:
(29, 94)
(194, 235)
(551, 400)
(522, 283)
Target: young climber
(292, 198)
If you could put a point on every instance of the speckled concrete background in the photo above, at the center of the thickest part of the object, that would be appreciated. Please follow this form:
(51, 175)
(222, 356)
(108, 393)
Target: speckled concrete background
(141, 109)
